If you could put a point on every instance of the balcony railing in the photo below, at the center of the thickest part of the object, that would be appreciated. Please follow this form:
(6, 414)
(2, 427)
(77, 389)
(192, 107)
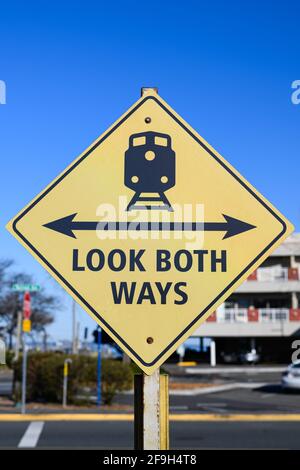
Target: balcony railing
(273, 314)
(233, 315)
(262, 315)
(275, 273)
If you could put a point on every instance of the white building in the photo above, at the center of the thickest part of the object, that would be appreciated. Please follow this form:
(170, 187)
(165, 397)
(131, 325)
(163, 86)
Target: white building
(264, 311)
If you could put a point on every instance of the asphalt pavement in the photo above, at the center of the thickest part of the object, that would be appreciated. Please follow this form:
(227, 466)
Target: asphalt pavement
(5, 383)
(183, 435)
(241, 408)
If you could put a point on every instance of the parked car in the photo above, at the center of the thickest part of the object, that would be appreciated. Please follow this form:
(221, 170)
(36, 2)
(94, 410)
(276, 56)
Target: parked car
(245, 357)
(291, 377)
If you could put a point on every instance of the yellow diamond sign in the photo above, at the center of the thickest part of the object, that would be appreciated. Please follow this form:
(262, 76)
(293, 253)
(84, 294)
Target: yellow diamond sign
(149, 230)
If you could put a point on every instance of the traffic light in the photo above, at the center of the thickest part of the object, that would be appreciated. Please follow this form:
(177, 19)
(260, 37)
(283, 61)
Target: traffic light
(105, 338)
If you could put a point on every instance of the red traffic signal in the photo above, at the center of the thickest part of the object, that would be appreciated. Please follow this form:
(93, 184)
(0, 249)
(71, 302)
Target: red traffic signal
(26, 306)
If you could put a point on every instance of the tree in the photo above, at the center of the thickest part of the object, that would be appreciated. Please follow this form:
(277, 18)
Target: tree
(43, 305)
(4, 273)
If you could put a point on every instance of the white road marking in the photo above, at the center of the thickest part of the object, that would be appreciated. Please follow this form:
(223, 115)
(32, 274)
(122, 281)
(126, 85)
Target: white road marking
(211, 404)
(233, 370)
(32, 434)
(218, 388)
(214, 409)
(179, 407)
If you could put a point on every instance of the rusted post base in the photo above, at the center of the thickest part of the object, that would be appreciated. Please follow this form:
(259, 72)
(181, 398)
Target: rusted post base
(151, 412)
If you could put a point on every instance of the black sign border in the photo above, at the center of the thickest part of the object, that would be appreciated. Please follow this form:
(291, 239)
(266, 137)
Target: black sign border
(83, 157)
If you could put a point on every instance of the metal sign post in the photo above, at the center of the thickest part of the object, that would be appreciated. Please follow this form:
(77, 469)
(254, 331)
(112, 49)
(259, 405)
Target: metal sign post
(65, 381)
(151, 411)
(24, 375)
(26, 327)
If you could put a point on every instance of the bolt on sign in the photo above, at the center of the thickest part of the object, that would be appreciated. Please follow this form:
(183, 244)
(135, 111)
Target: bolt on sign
(149, 230)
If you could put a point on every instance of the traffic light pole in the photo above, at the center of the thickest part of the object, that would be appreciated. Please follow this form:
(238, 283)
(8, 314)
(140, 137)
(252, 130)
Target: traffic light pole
(151, 411)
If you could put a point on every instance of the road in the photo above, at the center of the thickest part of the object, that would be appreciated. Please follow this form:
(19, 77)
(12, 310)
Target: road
(5, 383)
(183, 435)
(234, 390)
(242, 392)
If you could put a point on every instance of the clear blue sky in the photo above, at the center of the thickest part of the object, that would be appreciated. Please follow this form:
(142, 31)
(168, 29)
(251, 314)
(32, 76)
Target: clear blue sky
(71, 69)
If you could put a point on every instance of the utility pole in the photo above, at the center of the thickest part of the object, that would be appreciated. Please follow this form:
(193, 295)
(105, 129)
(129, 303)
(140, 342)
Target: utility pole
(85, 336)
(77, 337)
(26, 327)
(18, 335)
(74, 329)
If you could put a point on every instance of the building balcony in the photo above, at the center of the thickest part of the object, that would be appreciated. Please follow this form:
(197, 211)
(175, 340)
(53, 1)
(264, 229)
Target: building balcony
(262, 315)
(275, 273)
(272, 279)
(251, 322)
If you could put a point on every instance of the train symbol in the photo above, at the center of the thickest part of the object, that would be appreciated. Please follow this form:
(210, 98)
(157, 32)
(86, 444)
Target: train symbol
(149, 169)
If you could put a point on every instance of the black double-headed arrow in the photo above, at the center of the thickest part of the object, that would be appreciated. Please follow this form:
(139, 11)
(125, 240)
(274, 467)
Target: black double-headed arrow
(67, 225)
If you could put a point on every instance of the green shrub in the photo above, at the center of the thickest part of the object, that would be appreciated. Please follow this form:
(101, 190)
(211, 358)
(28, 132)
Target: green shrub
(9, 357)
(45, 377)
(117, 377)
